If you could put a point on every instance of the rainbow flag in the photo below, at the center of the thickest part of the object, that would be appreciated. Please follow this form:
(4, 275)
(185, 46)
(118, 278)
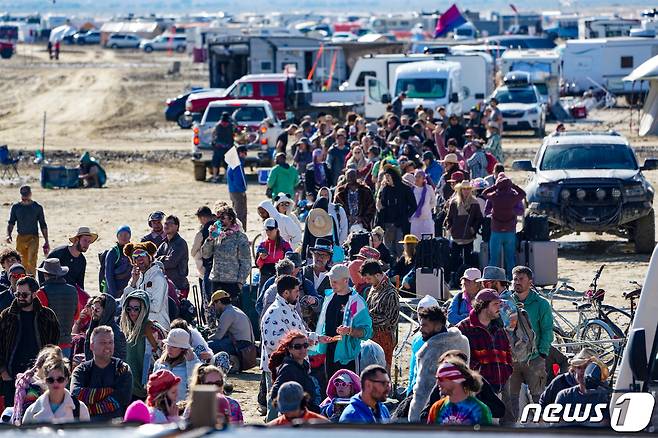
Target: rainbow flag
(449, 20)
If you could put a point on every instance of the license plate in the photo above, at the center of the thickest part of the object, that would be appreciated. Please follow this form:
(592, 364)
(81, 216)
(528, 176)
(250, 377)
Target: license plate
(511, 122)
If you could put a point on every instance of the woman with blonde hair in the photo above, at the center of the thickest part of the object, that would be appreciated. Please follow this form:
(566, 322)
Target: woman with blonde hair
(206, 374)
(462, 222)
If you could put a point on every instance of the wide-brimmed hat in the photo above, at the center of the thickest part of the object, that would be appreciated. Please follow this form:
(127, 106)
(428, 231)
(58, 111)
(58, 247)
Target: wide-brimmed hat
(457, 177)
(466, 184)
(178, 338)
(319, 222)
(450, 158)
(52, 266)
(323, 245)
(583, 357)
(368, 252)
(84, 231)
(493, 273)
(409, 238)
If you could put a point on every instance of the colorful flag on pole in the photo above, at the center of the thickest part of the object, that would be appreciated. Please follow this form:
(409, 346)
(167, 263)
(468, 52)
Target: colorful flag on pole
(449, 20)
(516, 11)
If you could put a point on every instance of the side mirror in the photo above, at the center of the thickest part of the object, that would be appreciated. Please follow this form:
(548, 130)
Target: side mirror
(386, 98)
(523, 165)
(650, 164)
(638, 354)
(454, 98)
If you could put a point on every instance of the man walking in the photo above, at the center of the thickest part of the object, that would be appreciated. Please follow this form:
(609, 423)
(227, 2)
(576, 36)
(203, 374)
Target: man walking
(28, 215)
(72, 256)
(237, 187)
(103, 383)
(157, 234)
(357, 200)
(533, 371)
(368, 405)
(173, 255)
(26, 327)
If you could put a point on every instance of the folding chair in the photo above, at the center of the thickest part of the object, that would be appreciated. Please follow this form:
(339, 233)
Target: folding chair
(8, 163)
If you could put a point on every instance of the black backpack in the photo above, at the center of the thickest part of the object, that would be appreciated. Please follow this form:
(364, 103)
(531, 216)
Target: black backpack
(101, 273)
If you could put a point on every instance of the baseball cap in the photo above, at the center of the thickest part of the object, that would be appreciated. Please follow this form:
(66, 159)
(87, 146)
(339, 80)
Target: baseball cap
(16, 267)
(472, 274)
(290, 397)
(216, 296)
(487, 295)
(339, 272)
(270, 224)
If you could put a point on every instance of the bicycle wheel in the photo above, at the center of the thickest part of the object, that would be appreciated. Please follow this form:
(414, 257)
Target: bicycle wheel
(560, 337)
(598, 330)
(620, 318)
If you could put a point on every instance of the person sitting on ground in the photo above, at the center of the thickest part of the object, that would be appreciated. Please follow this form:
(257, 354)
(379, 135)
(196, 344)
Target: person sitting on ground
(138, 413)
(234, 331)
(340, 389)
(367, 406)
(271, 250)
(199, 345)
(91, 172)
(179, 358)
(103, 383)
(103, 311)
(459, 406)
(206, 374)
(56, 404)
(577, 364)
(162, 400)
(292, 402)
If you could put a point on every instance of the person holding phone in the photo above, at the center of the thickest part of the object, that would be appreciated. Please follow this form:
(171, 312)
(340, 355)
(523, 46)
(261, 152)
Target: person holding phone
(179, 358)
(162, 389)
(271, 250)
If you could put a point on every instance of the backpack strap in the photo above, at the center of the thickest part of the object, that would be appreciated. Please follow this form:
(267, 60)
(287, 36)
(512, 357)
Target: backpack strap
(76, 408)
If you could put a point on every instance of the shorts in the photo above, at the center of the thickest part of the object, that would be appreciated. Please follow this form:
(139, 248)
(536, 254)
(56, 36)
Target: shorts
(218, 156)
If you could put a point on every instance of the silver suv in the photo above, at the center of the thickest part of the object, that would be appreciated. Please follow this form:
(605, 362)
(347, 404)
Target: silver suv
(521, 104)
(123, 41)
(165, 42)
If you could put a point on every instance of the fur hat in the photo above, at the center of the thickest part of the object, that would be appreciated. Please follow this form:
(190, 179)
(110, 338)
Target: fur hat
(149, 247)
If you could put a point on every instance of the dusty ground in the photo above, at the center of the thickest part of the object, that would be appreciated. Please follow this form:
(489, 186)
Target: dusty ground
(113, 102)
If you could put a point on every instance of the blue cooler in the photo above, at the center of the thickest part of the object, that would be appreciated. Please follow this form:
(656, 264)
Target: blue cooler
(263, 174)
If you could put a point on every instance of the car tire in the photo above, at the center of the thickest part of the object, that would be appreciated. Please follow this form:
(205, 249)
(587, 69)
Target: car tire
(200, 171)
(180, 49)
(6, 53)
(114, 46)
(644, 234)
(148, 49)
(184, 121)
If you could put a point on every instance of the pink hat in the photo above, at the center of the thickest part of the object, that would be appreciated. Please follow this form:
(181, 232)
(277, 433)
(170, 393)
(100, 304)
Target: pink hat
(472, 274)
(368, 252)
(137, 412)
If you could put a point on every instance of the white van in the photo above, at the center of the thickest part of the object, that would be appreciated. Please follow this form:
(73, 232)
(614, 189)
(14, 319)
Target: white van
(543, 66)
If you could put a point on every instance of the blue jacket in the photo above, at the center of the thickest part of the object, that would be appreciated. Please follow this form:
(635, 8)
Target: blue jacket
(458, 309)
(359, 412)
(416, 343)
(236, 180)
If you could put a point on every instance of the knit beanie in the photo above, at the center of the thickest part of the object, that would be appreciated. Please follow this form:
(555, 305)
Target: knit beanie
(137, 412)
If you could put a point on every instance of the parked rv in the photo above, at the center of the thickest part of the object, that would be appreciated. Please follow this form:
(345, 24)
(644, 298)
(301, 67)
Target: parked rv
(430, 84)
(605, 27)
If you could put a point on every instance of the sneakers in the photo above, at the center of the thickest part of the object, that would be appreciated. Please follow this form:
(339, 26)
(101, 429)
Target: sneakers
(262, 410)
(216, 179)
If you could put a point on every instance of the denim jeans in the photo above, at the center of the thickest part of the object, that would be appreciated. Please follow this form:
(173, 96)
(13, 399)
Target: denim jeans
(506, 241)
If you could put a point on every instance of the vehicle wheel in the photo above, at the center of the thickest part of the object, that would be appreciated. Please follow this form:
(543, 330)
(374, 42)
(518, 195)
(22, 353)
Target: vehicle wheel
(6, 53)
(180, 49)
(200, 171)
(114, 46)
(148, 49)
(644, 234)
(184, 121)
(597, 330)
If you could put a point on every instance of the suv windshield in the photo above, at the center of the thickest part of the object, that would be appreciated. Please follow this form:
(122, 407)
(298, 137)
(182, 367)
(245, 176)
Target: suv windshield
(422, 88)
(244, 114)
(588, 156)
(516, 95)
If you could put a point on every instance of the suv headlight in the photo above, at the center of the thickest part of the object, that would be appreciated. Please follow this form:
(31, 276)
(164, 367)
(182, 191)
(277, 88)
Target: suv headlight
(634, 191)
(546, 192)
(533, 111)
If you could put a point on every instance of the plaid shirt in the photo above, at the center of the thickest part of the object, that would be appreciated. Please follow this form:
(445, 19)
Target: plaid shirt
(491, 353)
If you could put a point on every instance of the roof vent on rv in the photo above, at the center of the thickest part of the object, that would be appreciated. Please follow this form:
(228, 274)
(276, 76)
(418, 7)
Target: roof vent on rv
(517, 79)
(440, 50)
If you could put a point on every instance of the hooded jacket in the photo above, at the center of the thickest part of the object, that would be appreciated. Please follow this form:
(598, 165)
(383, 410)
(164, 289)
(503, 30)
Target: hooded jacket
(427, 361)
(359, 412)
(107, 318)
(154, 283)
(327, 406)
(503, 196)
(337, 212)
(290, 231)
(231, 258)
(40, 411)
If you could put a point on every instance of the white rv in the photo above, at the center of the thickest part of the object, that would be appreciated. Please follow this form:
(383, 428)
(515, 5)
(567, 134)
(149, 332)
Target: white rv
(605, 27)
(543, 66)
(604, 62)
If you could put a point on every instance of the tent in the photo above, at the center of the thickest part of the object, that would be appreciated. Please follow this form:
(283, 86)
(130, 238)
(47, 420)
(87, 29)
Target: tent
(648, 71)
(61, 32)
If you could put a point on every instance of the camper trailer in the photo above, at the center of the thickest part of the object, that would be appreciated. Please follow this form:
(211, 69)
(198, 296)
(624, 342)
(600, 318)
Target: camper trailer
(605, 27)
(604, 62)
(543, 66)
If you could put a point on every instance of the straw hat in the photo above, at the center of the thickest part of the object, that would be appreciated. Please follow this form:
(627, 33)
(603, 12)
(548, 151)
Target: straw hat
(84, 231)
(409, 238)
(450, 158)
(466, 184)
(319, 222)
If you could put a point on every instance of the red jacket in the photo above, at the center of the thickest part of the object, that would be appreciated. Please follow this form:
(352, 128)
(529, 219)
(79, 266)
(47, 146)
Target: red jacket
(503, 196)
(274, 252)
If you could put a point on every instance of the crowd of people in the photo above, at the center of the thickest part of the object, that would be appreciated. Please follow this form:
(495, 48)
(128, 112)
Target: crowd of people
(324, 299)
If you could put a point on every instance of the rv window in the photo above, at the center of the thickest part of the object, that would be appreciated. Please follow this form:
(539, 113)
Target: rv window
(626, 62)
(361, 80)
(420, 88)
(269, 89)
(246, 90)
(266, 65)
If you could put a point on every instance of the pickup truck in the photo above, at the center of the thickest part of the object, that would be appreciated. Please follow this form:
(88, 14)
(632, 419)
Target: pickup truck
(290, 97)
(248, 116)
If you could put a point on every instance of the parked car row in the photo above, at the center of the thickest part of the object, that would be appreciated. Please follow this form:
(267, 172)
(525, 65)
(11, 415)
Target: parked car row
(177, 43)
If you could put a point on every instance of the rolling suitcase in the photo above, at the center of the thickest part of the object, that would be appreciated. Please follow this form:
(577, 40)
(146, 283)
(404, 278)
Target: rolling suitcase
(541, 257)
(431, 282)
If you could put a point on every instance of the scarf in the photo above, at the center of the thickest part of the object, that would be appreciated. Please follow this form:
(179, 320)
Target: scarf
(421, 202)
(228, 232)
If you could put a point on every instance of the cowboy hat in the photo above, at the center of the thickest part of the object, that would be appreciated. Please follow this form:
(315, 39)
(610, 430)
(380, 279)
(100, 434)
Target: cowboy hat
(457, 177)
(323, 245)
(450, 158)
(53, 267)
(409, 238)
(583, 357)
(319, 222)
(466, 184)
(493, 273)
(84, 231)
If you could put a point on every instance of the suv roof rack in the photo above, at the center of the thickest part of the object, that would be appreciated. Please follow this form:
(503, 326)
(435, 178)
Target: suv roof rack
(572, 133)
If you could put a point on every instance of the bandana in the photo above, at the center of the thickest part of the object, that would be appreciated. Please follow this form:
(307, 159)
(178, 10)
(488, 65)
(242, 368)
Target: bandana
(448, 371)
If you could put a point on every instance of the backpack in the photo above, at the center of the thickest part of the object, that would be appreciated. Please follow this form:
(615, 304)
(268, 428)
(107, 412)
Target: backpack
(522, 340)
(101, 273)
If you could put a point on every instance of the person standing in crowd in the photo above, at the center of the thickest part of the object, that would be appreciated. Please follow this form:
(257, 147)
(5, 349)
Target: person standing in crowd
(317, 272)
(157, 234)
(237, 187)
(291, 230)
(103, 310)
(455, 130)
(29, 217)
(222, 141)
(283, 204)
(436, 341)
(317, 174)
(62, 298)
(56, 404)
(72, 256)
(8, 258)
(461, 304)
(417, 342)
(496, 115)
(336, 156)
(293, 404)
(357, 200)
(204, 265)
(533, 371)
(15, 273)
(104, 382)
(463, 223)
(117, 268)
(147, 276)
(344, 314)
(395, 204)
(271, 250)
(368, 405)
(491, 353)
(174, 256)
(337, 212)
(377, 242)
(143, 339)
(494, 143)
(27, 327)
(503, 197)
(477, 163)
(179, 358)
(433, 168)
(459, 406)
(384, 307)
(234, 330)
(229, 249)
(283, 178)
(162, 399)
(421, 220)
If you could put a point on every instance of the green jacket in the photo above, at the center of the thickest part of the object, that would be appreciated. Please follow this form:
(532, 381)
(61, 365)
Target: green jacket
(541, 319)
(283, 179)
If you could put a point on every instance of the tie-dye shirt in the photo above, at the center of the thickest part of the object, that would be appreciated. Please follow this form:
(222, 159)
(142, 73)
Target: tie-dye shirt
(469, 411)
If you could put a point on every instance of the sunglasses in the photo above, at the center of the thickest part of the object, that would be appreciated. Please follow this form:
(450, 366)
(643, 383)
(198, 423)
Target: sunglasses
(133, 309)
(18, 275)
(303, 346)
(340, 384)
(51, 380)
